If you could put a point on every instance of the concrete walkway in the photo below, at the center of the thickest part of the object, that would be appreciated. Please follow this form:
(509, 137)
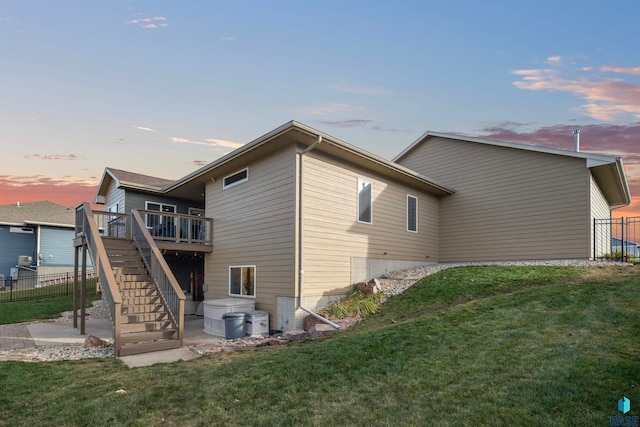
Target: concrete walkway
(15, 337)
(22, 336)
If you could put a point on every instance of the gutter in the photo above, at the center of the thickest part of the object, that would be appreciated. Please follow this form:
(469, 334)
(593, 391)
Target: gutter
(301, 236)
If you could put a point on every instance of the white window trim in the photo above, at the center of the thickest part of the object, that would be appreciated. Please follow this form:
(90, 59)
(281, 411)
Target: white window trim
(255, 281)
(416, 199)
(360, 182)
(196, 212)
(160, 212)
(233, 184)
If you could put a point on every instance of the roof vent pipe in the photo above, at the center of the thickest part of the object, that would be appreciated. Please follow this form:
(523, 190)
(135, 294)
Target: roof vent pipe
(576, 140)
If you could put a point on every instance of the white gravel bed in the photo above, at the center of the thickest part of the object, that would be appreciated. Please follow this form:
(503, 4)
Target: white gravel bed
(393, 284)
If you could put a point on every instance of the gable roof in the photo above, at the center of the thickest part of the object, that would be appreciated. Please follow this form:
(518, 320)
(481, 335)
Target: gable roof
(38, 213)
(608, 171)
(129, 180)
(295, 132)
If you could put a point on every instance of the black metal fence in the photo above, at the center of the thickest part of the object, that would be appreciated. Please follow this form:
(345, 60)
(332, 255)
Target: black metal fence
(617, 239)
(33, 286)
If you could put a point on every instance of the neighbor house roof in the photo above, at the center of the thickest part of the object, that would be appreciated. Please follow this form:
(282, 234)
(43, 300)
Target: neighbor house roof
(37, 213)
(129, 180)
(608, 171)
(294, 132)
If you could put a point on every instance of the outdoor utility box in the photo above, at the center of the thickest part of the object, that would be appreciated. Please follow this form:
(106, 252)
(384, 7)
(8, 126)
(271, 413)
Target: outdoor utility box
(214, 309)
(256, 322)
(233, 325)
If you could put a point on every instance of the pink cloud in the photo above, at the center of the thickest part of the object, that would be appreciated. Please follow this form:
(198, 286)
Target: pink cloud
(53, 157)
(622, 70)
(606, 139)
(64, 191)
(606, 99)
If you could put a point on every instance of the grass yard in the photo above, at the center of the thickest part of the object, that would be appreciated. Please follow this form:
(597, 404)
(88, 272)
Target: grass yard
(467, 346)
(48, 308)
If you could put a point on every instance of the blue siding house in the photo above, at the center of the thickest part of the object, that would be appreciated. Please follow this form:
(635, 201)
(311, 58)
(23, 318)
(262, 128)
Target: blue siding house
(36, 237)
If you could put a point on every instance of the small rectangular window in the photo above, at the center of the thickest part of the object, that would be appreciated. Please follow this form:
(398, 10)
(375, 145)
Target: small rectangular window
(236, 178)
(412, 213)
(242, 280)
(364, 202)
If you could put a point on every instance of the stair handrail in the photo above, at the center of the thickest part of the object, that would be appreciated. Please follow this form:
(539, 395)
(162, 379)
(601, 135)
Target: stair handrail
(88, 229)
(168, 287)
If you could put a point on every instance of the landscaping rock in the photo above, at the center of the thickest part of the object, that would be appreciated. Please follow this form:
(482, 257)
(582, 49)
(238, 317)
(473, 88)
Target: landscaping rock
(371, 287)
(92, 342)
(297, 335)
(319, 329)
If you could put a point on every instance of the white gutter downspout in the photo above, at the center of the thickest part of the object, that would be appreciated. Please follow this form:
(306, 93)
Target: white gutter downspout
(301, 236)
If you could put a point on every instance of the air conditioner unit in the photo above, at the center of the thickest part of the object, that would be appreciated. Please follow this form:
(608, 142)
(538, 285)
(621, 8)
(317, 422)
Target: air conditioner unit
(25, 260)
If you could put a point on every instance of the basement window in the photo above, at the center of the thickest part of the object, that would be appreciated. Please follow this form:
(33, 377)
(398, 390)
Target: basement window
(242, 280)
(236, 178)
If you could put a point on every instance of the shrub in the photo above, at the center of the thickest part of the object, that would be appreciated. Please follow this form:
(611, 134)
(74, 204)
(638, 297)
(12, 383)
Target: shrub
(357, 305)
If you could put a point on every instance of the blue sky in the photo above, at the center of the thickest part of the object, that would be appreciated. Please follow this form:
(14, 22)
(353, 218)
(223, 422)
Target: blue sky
(161, 88)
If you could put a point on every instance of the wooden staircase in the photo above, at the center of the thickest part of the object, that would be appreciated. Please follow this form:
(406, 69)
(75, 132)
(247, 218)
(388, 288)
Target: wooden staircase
(146, 323)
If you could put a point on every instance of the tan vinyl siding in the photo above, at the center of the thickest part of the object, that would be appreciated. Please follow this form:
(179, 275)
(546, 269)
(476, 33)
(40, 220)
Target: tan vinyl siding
(333, 236)
(254, 224)
(599, 210)
(509, 204)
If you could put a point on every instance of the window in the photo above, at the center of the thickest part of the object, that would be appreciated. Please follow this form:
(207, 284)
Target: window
(236, 178)
(242, 280)
(160, 225)
(412, 213)
(364, 202)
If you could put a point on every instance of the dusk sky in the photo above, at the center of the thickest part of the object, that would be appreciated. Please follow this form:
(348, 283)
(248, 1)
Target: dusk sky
(164, 87)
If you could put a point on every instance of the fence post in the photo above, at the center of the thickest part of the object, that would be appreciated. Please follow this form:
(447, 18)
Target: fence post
(595, 238)
(622, 244)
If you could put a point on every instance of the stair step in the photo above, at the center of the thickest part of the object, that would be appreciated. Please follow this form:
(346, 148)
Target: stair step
(148, 347)
(147, 300)
(125, 261)
(129, 271)
(140, 337)
(142, 285)
(149, 291)
(132, 277)
(144, 317)
(141, 308)
(145, 326)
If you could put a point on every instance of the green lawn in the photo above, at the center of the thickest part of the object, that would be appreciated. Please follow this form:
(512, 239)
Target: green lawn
(39, 309)
(467, 346)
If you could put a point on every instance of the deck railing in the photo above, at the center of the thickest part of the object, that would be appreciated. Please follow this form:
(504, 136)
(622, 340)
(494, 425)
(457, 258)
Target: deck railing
(178, 228)
(160, 272)
(87, 228)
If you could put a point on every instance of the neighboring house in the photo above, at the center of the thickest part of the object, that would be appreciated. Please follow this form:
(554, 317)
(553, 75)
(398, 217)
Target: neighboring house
(515, 201)
(299, 216)
(36, 237)
(630, 248)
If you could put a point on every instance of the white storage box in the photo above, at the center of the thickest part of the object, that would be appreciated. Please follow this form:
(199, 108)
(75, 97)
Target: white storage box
(256, 322)
(214, 309)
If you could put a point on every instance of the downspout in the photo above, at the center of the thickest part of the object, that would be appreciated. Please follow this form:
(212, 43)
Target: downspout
(301, 236)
